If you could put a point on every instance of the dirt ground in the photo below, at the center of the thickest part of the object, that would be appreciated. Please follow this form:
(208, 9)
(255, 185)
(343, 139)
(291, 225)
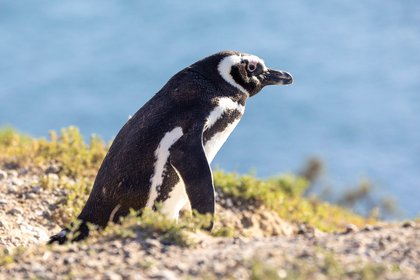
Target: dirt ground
(269, 247)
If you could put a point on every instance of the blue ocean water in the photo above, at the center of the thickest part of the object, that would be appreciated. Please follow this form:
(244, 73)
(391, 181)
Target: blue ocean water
(355, 102)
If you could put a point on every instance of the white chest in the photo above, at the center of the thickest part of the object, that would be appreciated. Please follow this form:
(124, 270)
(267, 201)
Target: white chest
(217, 139)
(213, 145)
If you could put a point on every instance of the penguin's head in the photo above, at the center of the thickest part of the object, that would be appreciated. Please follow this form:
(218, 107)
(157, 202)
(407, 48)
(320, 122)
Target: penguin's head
(248, 73)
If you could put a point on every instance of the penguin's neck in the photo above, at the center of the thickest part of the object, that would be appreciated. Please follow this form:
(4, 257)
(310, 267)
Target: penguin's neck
(220, 123)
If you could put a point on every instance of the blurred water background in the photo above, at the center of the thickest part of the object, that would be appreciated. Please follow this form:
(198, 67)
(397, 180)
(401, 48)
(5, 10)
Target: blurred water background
(355, 103)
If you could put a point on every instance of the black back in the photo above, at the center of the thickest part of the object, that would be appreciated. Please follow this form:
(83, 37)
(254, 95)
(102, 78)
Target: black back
(123, 179)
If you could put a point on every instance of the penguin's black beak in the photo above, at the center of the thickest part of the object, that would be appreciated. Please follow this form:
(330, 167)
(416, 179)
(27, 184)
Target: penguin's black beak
(276, 77)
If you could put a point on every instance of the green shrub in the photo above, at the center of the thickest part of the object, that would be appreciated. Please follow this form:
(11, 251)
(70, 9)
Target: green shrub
(68, 150)
(284, 195)
(78, 163)
(155, 224)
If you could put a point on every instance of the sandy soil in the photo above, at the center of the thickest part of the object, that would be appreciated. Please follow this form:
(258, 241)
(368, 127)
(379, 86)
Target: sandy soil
(273, 248)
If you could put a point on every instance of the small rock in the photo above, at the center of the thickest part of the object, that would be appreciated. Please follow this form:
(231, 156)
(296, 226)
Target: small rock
(219, 267)
(12, 173)
(17, 182)
(238, 240)
(408, 224)
(54, 169)
(305, 230)
(36, 189)
(69, 260)
(27, 229)
(229, 203)
(282, 273)
(350, 228)
(46, 255)
(305, 254)
(368, 228)
(37, 268)
(53, 177)
(11, 188)
(318, 234)
(3, 175)
(30, 195)
(46, 214)
(14, 211)
(153, 243)
(40, 234)
(382, 243)
(23, 171)
(301, 229)
(182, 267)
(43, 213)
(110, 275)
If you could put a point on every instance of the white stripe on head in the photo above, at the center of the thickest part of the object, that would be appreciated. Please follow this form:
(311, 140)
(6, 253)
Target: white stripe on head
(255, 59)
(162, 155)
(225, 66)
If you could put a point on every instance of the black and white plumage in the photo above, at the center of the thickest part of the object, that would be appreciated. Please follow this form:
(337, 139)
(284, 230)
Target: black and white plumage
(163, 153)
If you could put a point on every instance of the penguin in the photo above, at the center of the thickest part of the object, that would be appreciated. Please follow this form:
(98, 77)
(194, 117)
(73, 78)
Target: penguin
(164, 151)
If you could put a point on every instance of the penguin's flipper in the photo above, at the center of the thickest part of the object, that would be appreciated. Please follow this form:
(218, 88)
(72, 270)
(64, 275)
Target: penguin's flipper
(187, 156)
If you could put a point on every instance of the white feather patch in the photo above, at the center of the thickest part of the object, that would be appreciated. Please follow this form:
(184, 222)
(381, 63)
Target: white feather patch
(255, 59)
(177, 200)
(162, 155)
(223, 104)
(224, 68)
(214, 144)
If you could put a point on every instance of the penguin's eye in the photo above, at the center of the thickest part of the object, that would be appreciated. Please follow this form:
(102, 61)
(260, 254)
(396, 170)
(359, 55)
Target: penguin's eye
(252, 67)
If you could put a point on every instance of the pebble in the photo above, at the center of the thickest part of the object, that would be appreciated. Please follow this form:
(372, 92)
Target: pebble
(69, 260)
(153, 243)
(12, 188)
(281, 273)
(38, 268)
(12, 173)
(368, 228)
(305, 254)
(41, 234)
(36, 189)
(110, 275)
(23, 171)
(167, 275)
(30, 195)
(409, 224)
(24, 226)
(14, 211)
(53, 177)
(350, 228)
(28, 229)
(229, 203)
(17, 182)
(53, 169)
(3, 175)
(46, 255)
